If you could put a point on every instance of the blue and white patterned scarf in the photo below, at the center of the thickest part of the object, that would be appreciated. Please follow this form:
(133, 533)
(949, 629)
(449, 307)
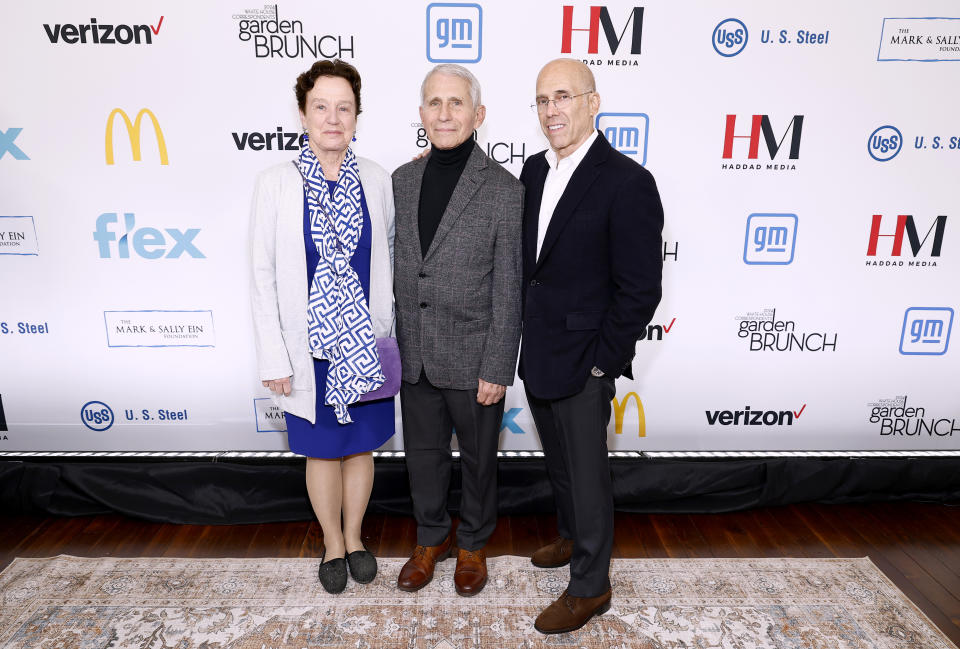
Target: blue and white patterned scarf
(339, 326)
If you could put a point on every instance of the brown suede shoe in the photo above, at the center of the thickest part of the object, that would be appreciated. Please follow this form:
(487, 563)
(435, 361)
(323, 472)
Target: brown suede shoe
(553, 555)
(569, 613)
(418, 570)
(471, 574)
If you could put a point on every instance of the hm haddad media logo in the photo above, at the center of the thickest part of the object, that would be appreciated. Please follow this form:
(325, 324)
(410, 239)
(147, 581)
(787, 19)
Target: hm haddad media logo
(283, 38)
(920, 39)
(623, 42)
(98, 416)
(765, 333)
(18, 236)
(782, 150)
(894, 418)
(454, 32)
(905, 224)
(158, 328)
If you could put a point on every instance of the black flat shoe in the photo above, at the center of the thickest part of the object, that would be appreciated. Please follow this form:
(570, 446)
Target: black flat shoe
(363, 566)
(333, 574)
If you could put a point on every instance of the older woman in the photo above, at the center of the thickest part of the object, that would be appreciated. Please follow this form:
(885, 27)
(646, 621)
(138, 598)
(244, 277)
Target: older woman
(322, 249)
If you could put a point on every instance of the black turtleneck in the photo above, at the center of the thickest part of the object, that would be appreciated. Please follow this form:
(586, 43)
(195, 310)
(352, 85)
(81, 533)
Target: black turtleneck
(441, 175)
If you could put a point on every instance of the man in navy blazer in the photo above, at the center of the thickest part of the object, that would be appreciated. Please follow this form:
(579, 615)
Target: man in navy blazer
(592, 262)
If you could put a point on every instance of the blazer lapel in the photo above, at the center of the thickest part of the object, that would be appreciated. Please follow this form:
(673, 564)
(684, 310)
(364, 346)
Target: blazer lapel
(408, 217)
(531, 212)
(467, 186)
(583, 176)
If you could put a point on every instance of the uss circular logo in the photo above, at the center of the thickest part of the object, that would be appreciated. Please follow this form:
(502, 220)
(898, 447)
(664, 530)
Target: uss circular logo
(885, 143)
(96, 415)
(729, 37)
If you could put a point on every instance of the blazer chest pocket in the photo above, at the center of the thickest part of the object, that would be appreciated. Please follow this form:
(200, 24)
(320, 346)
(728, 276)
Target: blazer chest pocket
(584, 320)
(471, 326)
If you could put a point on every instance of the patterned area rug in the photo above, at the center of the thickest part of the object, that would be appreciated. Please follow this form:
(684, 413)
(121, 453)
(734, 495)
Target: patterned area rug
(70, 602)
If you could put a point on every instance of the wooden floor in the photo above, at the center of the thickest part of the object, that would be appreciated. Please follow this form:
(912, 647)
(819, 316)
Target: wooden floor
(916, 545)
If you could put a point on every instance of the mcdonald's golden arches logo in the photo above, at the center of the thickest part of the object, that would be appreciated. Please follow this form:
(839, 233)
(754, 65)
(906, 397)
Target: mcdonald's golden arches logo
(620, 408)
(133, 132)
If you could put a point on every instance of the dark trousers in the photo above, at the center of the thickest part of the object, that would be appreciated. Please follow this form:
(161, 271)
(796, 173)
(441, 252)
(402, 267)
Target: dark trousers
(429, 415)
(573, 433)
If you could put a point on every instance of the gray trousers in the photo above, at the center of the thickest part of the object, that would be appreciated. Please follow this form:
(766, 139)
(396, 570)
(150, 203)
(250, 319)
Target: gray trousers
(573, 433)
(429, 416)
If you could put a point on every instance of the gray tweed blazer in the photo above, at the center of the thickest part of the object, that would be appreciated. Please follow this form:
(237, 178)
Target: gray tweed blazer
(458, 306)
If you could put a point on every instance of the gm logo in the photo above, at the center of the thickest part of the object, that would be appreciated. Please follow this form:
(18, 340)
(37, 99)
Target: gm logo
(729, 37)
(7, 146)
(133, 132)
(454, 32)
(627, 133)
(770, 239)
(96, 415)
(620, 409)
(926, 331)
(885, 143)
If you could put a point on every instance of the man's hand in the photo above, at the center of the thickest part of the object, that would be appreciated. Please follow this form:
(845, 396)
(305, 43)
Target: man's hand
(490, 393)
(279, 386)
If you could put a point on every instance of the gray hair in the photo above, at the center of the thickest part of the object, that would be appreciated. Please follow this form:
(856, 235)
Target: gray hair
(453, 70)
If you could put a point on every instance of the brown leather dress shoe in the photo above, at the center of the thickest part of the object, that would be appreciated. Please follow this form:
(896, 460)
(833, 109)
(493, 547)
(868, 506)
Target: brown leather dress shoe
(569, 613)
(471, 574)
(418, 570)
(553, 555)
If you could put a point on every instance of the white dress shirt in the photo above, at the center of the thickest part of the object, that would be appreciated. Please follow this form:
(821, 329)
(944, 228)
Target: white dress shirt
(557, 179)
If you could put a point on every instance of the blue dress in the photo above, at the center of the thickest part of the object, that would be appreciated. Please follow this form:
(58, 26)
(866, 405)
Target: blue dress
(373, 421)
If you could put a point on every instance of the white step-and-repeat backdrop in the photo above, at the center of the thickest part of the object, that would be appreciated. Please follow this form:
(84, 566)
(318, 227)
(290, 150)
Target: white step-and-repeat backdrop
(807, 155)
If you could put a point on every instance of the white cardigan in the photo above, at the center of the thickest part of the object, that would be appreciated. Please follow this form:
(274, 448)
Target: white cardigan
(279, 289)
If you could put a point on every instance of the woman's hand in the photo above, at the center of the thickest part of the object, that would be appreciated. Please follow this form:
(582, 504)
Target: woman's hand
(279, 386)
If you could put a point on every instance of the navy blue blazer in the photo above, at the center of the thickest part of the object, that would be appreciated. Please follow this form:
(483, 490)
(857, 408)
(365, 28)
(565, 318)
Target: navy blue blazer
(596, 285)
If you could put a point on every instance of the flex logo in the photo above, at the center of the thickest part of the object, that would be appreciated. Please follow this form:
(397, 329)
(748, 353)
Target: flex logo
(926, 331)
(770, 239)
(133, 133)
(626, 132)
(454, 32)
(7, 144)
(149, 243)
(509, 423)
(600, 17)
(620, 411)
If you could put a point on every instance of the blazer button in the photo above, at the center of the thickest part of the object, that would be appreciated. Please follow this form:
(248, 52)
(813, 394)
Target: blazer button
(421, 275)
(424, 305)
(534, 282)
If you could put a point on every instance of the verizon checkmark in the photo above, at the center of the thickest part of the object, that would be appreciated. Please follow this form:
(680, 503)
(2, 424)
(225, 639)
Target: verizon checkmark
(667, 328)
(156, 30)
(797, 414)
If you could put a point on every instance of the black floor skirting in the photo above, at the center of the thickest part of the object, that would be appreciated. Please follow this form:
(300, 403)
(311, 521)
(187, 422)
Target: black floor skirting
(233, 493)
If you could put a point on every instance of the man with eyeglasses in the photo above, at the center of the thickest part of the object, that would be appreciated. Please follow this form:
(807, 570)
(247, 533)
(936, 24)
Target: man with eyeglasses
(591, 283)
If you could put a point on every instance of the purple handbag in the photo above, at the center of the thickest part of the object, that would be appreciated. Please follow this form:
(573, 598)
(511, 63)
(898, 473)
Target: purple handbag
(389, 353)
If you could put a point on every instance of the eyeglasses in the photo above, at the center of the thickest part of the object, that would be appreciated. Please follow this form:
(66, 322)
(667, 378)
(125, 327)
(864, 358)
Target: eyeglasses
(561, 102)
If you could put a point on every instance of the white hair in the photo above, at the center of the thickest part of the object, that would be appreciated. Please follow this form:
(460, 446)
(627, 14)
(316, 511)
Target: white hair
(453, 70)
